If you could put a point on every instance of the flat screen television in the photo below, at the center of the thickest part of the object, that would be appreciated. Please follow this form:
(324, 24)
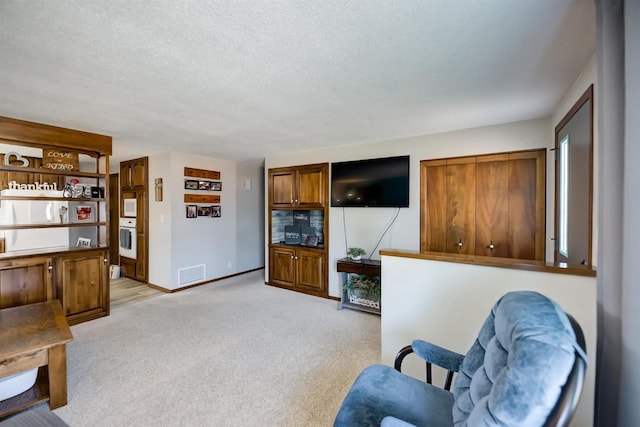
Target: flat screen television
(382, 182)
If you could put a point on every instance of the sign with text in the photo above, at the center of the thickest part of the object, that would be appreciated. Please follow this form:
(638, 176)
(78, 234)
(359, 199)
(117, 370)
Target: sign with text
(62, 160)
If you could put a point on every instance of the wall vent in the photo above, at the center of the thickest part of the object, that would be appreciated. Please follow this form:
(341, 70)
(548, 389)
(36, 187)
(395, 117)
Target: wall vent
(193, 274)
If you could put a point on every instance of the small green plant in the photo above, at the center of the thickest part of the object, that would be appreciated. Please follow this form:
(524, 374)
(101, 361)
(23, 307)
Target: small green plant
(368, 285)
(356, 252)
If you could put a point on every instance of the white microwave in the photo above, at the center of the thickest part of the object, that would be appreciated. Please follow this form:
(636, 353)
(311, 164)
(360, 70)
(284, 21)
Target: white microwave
(129, 208)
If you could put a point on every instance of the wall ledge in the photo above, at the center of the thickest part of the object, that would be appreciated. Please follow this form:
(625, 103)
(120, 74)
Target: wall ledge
(517, 264)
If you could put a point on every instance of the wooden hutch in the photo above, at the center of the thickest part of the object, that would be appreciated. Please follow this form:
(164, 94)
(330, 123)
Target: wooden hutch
(54, 181)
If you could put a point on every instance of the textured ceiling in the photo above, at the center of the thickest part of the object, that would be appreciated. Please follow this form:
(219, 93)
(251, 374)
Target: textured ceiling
(242, 80)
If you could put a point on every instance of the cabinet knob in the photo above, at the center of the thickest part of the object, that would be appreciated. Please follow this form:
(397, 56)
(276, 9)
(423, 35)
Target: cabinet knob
(291, 201)
(291, 256)
(460, 244)
(50, 267)
(296, 257)
(104, 260)
(491, 246)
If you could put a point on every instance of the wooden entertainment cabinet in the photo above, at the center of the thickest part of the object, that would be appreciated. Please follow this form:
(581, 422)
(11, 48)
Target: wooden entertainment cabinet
(299, 228)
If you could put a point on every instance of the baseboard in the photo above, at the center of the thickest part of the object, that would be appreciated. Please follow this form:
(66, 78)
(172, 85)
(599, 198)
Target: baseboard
(171, 291)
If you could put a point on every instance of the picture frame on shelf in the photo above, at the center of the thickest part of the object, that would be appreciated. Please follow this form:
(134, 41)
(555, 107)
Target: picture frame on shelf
(83, 213)
(216, 186)
(204, 210)
(190, 184)
(216, 211)
(311, 241)
(192, 211)
(204, 185)
(83, 242)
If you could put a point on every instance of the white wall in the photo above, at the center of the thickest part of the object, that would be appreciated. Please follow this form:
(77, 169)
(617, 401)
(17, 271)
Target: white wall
(364, 226)
(176, 241)
(160, 216)
(446, 303)
(249, 214)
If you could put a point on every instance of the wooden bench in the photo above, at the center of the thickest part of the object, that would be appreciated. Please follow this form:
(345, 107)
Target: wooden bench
(35, 336)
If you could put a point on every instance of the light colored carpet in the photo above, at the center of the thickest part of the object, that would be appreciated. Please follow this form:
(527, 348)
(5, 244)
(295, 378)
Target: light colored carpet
(231, 353)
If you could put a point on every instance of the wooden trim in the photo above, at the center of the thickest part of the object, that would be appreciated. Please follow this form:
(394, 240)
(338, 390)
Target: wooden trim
(516, 264)
(23, 132)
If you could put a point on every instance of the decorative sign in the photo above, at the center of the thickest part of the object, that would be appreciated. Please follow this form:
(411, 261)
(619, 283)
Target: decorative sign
(201, 173)
(33, 186)
(60, 160)
(201, 198)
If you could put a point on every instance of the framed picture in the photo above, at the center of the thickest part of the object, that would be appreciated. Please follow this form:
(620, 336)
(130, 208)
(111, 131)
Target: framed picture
(216, 211)
(83, 242)
(311, 241)
(83, 213)
(190, 184)
(216, 186)
(204, 185)
(192, 211)
(204, 210)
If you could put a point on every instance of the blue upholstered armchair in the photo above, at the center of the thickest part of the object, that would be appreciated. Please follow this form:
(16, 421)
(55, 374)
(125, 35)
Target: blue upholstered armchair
(526, 368)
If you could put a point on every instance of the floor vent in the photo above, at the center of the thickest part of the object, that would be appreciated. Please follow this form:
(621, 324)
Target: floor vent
(193, 274)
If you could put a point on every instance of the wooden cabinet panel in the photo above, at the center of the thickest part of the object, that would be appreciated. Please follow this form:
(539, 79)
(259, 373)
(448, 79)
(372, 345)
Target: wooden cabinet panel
(311, 187)
(434, 205)
(526, 206)
(127, 267)
(141, 265)
(310, 269)
(126, 176)
(25, 281)
(85, 281)
(461, 191)
(298, 187)
(282, 266)
(139, 173)
(492, 206)
(282, 188)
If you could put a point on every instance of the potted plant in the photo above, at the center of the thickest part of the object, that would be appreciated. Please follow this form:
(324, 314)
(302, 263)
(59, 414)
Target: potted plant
(356, 253)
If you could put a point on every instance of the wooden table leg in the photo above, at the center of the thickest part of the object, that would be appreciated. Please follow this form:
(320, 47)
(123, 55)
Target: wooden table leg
(57, 376)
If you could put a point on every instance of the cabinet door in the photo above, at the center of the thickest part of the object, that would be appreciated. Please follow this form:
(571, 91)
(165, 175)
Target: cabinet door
(310, 270)
(311, 184)
(527, 205)
(282, 266)
(139, 173)
(25, 281)
(492, 206)
(281, 185)
(126, 176)
(461, 200)
(433, 205)
(82, 277)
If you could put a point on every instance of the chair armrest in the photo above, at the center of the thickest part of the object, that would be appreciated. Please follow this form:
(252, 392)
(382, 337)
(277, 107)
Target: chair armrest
(437, 355)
